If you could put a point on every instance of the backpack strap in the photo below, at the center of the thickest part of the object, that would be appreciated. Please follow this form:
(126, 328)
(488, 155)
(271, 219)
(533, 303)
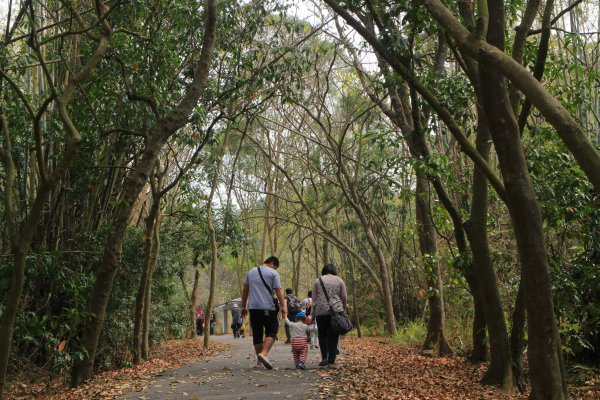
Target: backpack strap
(265, 283)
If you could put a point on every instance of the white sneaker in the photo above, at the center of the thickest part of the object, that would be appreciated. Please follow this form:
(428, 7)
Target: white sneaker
(265, 361)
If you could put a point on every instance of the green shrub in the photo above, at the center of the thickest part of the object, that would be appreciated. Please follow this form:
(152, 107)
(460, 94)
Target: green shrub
(411, 334)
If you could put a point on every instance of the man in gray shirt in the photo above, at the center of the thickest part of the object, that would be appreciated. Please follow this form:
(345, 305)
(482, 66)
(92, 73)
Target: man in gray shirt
(259, 284)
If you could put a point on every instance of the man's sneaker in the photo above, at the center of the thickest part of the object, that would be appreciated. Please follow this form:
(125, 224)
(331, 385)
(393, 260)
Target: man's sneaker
(323, 363)
(265, 361)
(301, 365)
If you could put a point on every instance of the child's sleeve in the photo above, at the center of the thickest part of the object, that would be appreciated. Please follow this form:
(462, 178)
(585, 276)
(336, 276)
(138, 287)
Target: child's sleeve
(288, 322)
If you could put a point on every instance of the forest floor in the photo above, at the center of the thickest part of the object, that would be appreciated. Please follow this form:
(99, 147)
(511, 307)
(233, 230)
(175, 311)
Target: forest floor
(112, 384)
(368, 368)
(376, 368)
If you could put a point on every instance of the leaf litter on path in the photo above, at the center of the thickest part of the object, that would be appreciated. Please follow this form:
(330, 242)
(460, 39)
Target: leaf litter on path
(111, 384)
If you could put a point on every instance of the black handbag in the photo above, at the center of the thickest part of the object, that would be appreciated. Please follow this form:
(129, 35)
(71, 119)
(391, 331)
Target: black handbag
(275, 299)
(340, 323)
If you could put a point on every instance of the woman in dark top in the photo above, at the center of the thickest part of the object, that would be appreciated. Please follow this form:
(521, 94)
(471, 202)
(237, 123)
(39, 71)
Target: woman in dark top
(336, 290)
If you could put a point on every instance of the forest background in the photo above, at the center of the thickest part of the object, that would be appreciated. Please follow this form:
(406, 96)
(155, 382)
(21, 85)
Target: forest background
(153, 151)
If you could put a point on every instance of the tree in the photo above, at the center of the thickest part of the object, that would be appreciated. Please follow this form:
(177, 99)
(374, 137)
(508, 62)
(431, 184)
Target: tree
(165, 127)
(22, 230)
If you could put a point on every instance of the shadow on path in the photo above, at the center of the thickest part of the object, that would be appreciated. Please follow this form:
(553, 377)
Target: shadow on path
(231, 375)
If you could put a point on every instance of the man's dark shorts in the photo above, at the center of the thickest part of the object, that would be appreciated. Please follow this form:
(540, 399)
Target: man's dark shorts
(263, 325)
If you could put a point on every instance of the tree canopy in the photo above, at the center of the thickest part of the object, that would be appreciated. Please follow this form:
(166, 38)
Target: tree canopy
(443, 155)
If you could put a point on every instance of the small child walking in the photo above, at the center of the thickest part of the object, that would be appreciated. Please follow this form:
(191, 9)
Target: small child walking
(299, 343)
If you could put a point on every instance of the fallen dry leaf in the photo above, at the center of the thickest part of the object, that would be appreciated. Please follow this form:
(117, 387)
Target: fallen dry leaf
(374, 368)
(111, 384)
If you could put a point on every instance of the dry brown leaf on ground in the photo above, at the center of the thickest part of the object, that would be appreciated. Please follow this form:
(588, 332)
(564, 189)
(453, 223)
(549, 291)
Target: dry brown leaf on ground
(374, 368)
(111, 384)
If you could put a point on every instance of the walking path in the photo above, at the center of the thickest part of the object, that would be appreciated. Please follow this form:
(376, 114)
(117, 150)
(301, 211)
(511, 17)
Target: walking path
(231, 376)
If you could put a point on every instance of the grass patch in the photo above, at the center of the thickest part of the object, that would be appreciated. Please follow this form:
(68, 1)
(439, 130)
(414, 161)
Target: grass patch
(411, 334)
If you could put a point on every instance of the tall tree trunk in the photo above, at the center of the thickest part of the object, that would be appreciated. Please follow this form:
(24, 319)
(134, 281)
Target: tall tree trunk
(545, 354)
(214, 244)
(148, 295)
(18, 248)
(239, 272)
(298, 264)
(213, 277)
(135, 181)
(478, 331)
(437, 318)
(435, 326)
(326, 244)
(194, 304)
(9, 315)
(140, 298)
(517, 337)
(499, 371)
(266, 228)
(354, 302)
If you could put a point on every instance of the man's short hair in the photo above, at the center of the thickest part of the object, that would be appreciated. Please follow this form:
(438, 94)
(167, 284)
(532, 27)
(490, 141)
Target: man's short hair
(272, 260)
(289, 290)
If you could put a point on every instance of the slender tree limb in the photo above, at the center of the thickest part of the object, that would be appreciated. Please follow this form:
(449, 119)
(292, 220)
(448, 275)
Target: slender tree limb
(466, 146)
(555, 19)
(566, 126)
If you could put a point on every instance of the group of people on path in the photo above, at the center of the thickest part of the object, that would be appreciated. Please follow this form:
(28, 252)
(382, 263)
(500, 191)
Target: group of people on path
(263, 300)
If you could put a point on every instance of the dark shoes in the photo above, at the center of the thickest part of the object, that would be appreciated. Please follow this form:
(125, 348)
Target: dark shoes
(323, 363)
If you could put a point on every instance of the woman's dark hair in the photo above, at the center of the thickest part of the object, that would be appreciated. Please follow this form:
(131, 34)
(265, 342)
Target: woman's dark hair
(273, 260)
(329, 269)
(310, 293)
(289, 290)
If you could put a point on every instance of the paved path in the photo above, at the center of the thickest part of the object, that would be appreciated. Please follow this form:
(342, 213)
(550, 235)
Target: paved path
(231, 376)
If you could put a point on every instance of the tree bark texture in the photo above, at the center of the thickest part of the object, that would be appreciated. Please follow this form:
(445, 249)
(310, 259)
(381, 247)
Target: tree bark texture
(435, 325)
(148, 294)
(140, 299)
(517, 337)
(194, 304)
(478, 331)
(544, 344)
(499, 372)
